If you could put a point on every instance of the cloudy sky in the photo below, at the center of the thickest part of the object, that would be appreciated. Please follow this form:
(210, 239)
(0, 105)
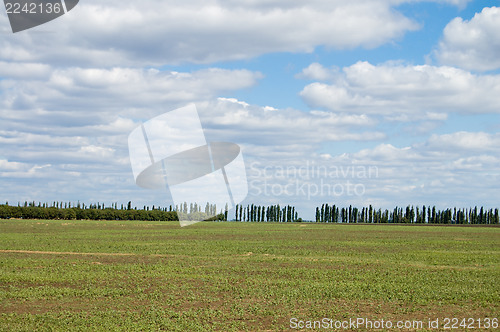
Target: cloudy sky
(382, 102)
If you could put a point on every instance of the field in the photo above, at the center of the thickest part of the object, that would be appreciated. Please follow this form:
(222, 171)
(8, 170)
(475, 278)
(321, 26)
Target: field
(107, 276)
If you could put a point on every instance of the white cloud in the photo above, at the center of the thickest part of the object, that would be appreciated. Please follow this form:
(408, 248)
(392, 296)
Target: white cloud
(6, 165)
(282, 127)
(129, 33)
(405, 93)
(466, 141)
(82, 101)
(139, 85)
(317, 72)
(474, 44)
(24, 70)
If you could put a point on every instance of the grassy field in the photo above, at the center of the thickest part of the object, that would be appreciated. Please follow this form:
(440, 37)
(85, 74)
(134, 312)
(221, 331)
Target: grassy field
(107, 276)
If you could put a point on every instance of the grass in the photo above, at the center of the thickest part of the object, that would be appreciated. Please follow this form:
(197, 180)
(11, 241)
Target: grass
(114, 276)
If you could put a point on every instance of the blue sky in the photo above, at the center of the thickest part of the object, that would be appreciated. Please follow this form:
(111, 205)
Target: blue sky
(411, 88)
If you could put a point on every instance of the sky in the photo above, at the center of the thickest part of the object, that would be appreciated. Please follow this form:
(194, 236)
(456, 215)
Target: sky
(382, 102)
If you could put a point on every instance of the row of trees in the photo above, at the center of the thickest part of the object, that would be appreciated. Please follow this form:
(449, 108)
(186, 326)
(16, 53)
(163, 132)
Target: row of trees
(98, 211)
(250, 213)
(210, 209)
(194, 208)
(410, 214)
(273, 213)
(87, 213)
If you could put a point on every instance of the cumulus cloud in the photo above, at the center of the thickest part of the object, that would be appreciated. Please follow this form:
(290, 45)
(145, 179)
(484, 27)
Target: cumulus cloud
(283, 127)
(466, 142)
(438, 149)
(24, 70)
(129, 33)
(474, 44)
(316, 72)
(85, 100)
(404, 92)
(6, 165)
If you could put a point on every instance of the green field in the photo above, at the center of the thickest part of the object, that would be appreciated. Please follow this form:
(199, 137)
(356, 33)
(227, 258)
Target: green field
(107, 276)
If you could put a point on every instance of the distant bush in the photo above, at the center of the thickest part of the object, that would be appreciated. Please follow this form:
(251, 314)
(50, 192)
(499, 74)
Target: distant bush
(79, 213)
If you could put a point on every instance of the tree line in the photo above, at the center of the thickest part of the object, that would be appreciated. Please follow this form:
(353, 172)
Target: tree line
(250, 213)
(410, 214)
(98, 211)
(273, 213)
